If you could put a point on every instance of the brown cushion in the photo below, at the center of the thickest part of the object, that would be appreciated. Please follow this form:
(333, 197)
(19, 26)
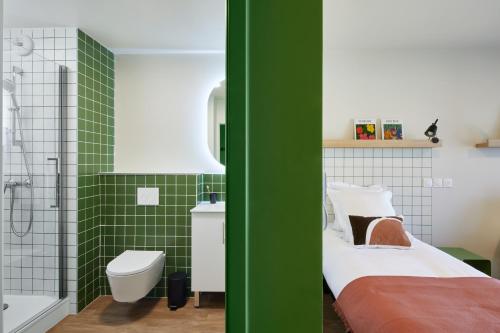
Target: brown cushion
(388, 232)
(382, 231)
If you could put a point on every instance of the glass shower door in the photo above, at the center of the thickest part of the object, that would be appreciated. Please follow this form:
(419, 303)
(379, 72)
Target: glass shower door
(33, 95)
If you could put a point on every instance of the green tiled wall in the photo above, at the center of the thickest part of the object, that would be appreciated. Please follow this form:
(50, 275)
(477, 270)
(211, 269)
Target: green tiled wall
(216, 183)
(166, 227)
(95, 154)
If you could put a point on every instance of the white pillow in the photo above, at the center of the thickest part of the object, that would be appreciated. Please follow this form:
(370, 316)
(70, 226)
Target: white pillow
(361, 203)
(332, 188)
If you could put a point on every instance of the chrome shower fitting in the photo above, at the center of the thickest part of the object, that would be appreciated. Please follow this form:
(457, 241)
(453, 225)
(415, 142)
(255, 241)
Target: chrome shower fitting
(23, 45)
(17, 70)
(9, 85)
(12, 184)
(9, 184)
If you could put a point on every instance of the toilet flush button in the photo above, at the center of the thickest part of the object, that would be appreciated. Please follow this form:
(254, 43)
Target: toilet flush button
(427, 182)
(148, 196)
(437, 182)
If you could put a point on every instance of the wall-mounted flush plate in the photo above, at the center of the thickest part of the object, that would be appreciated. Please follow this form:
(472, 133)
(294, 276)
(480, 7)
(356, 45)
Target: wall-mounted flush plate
(447, 182)
(148, 196)
(427, 182)
(437, 182)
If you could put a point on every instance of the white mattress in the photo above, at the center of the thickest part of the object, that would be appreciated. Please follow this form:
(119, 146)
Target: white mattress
(343, 263)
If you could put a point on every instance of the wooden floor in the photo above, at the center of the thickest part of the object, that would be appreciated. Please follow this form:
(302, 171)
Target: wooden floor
(148, 316)
(152, 316)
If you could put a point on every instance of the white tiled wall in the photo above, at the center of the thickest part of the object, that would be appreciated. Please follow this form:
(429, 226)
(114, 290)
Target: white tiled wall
(400, 169)
(31, 265)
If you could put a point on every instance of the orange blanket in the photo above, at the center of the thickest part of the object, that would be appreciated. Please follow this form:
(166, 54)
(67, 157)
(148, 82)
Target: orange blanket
(400, 304)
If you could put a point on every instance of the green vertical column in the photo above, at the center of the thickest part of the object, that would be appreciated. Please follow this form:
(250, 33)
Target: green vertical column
(274, 80)
(236, 167)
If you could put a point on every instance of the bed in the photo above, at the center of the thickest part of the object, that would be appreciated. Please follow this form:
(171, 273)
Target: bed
(421, 289)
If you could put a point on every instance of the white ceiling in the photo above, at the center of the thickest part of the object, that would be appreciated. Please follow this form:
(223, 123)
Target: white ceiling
(199, 25)
(130, 24)
(411, 23)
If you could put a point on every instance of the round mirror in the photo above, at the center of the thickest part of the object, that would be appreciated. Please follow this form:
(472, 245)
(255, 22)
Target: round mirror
(217, 123)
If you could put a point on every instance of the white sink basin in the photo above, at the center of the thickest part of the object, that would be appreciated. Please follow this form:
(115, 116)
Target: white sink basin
(207, 207)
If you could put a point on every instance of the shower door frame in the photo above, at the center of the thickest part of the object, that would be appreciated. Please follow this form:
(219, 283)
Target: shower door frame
(62, 228)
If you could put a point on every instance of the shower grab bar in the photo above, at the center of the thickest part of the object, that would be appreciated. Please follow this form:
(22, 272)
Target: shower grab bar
(57, 181)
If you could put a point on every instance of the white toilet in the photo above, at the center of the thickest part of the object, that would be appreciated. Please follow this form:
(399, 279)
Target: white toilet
(133, 274)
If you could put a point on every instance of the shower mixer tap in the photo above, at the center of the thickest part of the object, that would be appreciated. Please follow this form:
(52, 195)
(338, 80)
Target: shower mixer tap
(12, 184)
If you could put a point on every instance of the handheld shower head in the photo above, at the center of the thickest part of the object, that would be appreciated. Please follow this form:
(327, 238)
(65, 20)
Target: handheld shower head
(17, 70)
(9, 86)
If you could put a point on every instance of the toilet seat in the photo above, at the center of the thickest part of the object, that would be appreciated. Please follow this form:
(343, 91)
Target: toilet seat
(133, 262)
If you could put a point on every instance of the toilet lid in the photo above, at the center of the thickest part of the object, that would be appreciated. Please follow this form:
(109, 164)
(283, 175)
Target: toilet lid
(133, 262)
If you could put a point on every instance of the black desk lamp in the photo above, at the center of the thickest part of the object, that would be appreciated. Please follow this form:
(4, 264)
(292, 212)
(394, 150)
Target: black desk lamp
(432, 132)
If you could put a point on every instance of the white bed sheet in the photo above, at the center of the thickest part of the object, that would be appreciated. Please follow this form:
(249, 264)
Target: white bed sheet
(343, 263)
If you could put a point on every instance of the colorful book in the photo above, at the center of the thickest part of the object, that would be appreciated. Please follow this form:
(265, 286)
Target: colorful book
(392, 129)
(365, 129)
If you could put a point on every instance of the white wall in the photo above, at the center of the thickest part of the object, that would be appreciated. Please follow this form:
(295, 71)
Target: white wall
(461, 87)
(161, 112)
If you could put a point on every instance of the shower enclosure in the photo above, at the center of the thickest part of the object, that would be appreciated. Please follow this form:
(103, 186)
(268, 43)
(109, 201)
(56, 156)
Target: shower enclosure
(34, 100)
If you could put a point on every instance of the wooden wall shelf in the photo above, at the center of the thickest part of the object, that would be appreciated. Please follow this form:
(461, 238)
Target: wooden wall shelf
(491, 143)
(380, 144)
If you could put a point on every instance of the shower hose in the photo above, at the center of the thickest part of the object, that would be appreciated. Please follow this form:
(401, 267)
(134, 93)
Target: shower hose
(29, 184)
(12, 200)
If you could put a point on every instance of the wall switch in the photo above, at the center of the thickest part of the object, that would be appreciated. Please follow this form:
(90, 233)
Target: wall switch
(447, 182)
(148, 196)
(427, 182)
(437, 182)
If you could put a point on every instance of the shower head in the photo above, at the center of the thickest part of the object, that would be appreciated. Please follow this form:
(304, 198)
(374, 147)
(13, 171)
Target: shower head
(17, 70)
(23, 45)
(9, 86)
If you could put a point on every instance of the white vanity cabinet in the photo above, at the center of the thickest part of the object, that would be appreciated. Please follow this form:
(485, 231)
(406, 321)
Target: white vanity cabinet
(208, 272)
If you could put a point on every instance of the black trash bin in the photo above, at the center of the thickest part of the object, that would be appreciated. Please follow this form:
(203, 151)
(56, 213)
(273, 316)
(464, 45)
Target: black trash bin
(177, 290)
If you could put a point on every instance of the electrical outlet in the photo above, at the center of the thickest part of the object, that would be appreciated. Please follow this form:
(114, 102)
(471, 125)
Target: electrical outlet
(437, 182)
(427, 182)
(447, 182)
